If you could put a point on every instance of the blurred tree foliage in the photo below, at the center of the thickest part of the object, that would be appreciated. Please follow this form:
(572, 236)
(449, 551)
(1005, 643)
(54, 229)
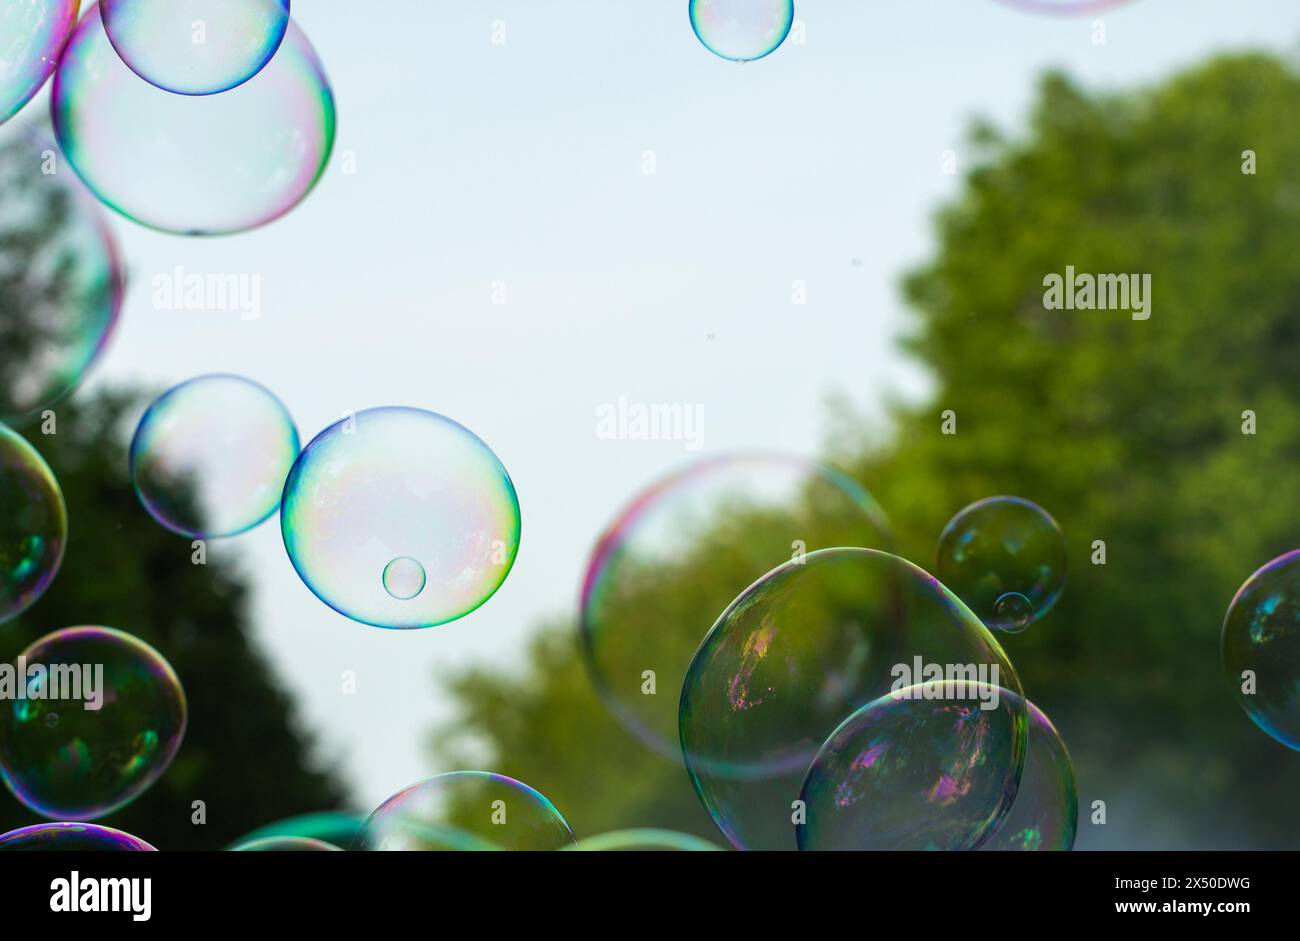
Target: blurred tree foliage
(243, 754)
(1129, 432)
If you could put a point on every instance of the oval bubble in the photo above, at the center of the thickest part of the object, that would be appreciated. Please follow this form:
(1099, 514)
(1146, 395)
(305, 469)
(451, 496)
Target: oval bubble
(932, 766)
(802, 648)
(93, 761)
(644, 611)
(32, 34)
(195, 47)
(72, 838)
(742, 30)
(210, 456)
(466, 810)
(400, 483)
(33, 525)
(194, 166)
(1003, 546)
(57, 318)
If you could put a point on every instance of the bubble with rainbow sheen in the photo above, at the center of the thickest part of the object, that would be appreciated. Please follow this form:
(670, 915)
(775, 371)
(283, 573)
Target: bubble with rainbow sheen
(71, 838)
(65, 761)
(195, 47)
(1065, 7)
(808, 644)
(1004, 557)
(210, 456)
(32, 34)
(644, 611)
(208, 165)
(742, 30)
(334, 827)
(1045, 813)
(645, 840)
(1261, 634)
(286, 844)
(400, 518)
(33, 525)
(466, 810)
(65, 306)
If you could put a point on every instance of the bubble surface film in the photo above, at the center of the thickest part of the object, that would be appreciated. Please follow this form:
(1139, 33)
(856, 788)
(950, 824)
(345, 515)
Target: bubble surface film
(467, 810)
(33, 525)
(60, 270)
(393, 484)
(340, 829)
(32, 33)
(210, 457)
(1003, 546)
(67, 762)
(796, 654)
(742, 30)
(72, 838)
(644, 610)
(195, 47)
(1261, 633)
(194, 166)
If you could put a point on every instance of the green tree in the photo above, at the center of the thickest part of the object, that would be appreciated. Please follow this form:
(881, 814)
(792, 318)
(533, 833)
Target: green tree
(1128, 431)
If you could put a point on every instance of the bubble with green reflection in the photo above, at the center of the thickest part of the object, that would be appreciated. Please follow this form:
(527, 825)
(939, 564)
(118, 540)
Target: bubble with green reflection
(33, 525)
(286, 844)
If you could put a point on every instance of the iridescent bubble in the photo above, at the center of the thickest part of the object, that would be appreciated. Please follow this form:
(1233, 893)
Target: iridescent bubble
(1261, 634)
(61, 277)
(339, 829)
(466, 810)
(194, 166)
(285, 844)
(210, 457)
(1045, 814)
(195, 47)
(644, 840)
(1003, 546)
(32, 33)
(802, 648)
(742, 30)
(72, 838)
(393, 484)
(644, 611)
(33, 525)
(932, 766)
(95, 760)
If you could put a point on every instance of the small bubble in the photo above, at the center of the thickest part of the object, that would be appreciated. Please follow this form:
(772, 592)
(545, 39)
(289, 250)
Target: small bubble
(1012, 613)
(404, 578)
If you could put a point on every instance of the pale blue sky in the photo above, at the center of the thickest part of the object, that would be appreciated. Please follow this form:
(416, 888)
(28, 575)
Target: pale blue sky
(522, 163)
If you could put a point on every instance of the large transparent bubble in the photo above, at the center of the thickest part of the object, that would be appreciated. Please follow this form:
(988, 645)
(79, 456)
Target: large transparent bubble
(32, 33)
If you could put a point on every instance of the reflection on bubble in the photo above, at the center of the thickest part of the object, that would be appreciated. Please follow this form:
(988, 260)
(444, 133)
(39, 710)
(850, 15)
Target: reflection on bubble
(392, 484)
(742, 30)
(209, 457)
(61, 312)
(466, 810)
(644, 840)
(93, 761)
(1261, 648)
(194, 166)
(32, 33)
(1045, 814)
(807, 645)
(33, 525)
(1003, 546)
(339, 829)
(933, 766)
(71, 838)
(285, 844)
(195, 47)
(644, 611)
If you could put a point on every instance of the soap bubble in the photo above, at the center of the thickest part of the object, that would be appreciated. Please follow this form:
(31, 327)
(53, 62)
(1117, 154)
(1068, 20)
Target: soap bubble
(644, 840)
(1000, 547)
(33, 525)
(1045, 814)
(194, 166)
(339, 829)
(210, 457)
(644, 610)
(285, 844)
(800, 650)
(61, 277)
(195, 47)
(932, 766)
(395, 496)
(72, 838)
(467, 810)
(32, 34)
(742, 30)
(93, 761)
(1261, 634)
